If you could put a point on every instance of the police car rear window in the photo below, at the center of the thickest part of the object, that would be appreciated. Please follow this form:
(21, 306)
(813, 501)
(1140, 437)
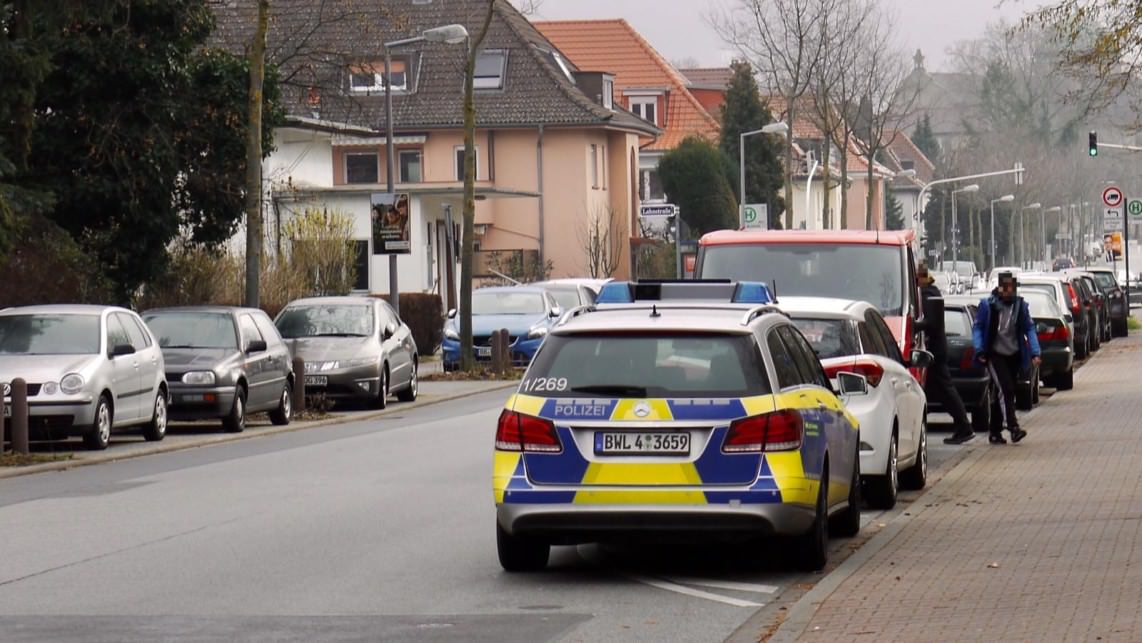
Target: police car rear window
(657, 365)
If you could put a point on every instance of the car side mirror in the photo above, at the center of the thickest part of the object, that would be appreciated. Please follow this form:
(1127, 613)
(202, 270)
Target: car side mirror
(451, 313)
(390, 330)
(122, 349)
(256, 346)
(556, 312)
(852, 383)
(921, 359)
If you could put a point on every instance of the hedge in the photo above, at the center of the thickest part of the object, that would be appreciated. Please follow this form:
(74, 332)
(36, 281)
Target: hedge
(424, 314)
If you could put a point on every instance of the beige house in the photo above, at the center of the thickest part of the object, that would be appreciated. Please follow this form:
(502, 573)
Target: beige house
(553, 150)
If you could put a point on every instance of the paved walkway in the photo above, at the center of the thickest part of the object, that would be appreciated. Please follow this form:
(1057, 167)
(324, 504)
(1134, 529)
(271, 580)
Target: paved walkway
(1040, 541)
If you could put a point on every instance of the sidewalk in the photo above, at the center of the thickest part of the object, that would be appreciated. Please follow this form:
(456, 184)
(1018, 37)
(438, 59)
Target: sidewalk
(1030, 542)
(190, 435)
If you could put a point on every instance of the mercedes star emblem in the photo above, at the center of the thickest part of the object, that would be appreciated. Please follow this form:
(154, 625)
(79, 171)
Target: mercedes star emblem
(642, 409)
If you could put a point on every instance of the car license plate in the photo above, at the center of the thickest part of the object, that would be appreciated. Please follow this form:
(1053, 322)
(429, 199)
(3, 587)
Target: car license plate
(316, 380)
(483, 351)
(630, 443)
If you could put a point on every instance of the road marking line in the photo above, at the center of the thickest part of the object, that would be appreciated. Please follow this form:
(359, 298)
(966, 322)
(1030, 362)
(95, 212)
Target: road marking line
(697, 593)
(725, 584)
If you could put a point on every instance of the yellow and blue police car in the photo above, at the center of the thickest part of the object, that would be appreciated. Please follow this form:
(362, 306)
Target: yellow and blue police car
(675, 410)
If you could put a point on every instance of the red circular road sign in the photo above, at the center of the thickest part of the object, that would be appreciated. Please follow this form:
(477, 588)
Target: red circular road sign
(1112, 197)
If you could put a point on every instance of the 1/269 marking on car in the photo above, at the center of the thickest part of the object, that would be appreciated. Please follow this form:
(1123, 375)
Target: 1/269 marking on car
(627, 443)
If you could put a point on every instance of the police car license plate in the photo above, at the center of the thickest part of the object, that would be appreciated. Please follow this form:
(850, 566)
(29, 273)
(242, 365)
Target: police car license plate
(483, 351)
(630, 443)
(316, 380)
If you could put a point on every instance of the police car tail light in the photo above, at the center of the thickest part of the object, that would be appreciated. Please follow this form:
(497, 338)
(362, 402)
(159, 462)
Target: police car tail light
(778, 431)
(872, 371)
(518, 432)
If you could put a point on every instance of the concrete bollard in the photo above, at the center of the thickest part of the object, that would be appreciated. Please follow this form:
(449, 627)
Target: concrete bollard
(19, 417)
(497, 352)
(506, 352)
(298, 385)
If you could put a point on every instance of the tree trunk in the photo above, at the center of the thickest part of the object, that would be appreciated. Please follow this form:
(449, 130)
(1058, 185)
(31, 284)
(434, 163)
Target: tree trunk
(845, 182)
(870, 216)
(788, 166)
(971, 228)
(825, 207)
(254, 157)
(467, 250)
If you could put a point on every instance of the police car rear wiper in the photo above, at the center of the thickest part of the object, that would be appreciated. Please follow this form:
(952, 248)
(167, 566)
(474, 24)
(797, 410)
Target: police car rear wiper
(625, 390)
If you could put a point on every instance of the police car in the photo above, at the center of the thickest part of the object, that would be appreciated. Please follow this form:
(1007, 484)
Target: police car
(675, 411)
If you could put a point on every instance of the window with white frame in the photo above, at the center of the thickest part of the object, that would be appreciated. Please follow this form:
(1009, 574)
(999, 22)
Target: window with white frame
(644, 107)
(608, 93)
(369, 77)
(459, 155)
(361, 167)
(650, 186)
(490, 66)
(593, 161)
(603, 164)
(410, 166)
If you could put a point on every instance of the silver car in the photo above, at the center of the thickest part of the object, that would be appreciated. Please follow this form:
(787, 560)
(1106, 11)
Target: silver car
(89, 369)
(354, 348)
(224, 362)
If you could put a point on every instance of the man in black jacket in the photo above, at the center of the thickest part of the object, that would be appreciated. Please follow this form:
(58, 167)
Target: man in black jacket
(939, 385)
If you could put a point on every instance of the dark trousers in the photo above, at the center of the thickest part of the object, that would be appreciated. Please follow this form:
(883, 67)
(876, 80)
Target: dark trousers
(1004, 371)
(939, 386)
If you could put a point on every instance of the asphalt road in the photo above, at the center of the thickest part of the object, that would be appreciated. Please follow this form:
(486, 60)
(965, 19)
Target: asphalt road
(378, 530)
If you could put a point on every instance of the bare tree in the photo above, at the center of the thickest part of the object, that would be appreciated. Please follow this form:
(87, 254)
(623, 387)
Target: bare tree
(602, 240)
(782, 38)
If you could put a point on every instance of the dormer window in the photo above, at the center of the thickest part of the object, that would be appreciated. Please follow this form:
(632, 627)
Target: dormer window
(608, 93)
(369, 77)
(490, 66)
(907, 164)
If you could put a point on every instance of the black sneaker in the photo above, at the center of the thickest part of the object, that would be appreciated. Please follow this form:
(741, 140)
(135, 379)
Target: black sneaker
(996, 438)
(1017, 434)
(960, 438)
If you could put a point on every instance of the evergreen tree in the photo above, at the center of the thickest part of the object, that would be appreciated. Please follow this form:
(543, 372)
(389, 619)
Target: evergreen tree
(925, 139)
(893, 212)
(743, 111)
(694, 175)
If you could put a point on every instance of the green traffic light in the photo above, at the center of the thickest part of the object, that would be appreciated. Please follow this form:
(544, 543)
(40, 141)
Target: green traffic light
(1094, 151)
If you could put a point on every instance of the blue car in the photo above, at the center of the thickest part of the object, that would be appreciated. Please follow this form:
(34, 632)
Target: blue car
(527, 314)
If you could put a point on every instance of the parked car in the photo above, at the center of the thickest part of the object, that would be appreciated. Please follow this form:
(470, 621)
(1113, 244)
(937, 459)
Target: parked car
(354, 348)
(851, 336)
(1082, 314)
(1064, 294)
(1107, 281)
(223, 363)
(571, 293)
(1056, 344)
(91, 370)
(1092, 302)
(1062, 263)
(874, 266)
(970, 379)
(527, 312)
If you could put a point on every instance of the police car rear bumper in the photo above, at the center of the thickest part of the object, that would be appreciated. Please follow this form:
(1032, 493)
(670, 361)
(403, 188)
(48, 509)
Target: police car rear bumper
(568, 525)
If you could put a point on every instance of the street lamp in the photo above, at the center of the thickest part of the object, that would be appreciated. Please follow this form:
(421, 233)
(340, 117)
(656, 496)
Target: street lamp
(1043, 230)
(1006, 198)
(448, 34)
(1022, 226)
(779, 128)
(955, 225)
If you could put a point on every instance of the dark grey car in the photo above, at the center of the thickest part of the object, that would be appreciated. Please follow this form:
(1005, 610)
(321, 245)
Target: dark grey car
(223, 362)
(353, 347)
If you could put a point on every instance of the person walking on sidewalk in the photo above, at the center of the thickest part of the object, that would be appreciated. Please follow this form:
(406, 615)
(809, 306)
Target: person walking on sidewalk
(1006, 345)
(939, 382)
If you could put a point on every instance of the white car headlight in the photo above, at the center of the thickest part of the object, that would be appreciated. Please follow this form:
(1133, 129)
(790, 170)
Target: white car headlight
(49, 388)
(537, 331)
(354, 363)
(71, 384)
(199, 378)
(451, 333)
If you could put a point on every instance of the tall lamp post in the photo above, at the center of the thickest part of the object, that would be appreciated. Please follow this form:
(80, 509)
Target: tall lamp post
(1043, 231)
(779, 128)
(453, 34)
(1006, 198)
(1087, 222)
(967, 189)
(1022, 227)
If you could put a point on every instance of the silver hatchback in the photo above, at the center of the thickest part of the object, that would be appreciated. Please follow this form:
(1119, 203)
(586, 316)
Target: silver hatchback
(354, 348)
(89, 369)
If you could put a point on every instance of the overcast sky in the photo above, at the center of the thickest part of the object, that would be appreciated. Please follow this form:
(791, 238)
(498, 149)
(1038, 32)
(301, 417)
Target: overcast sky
(676, 28)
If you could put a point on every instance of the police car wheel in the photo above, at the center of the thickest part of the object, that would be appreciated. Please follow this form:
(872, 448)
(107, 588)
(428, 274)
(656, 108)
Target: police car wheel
(812, 547)
(519, 553)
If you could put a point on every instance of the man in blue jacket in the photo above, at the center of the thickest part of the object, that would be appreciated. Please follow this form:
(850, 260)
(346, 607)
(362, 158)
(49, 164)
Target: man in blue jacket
(1006, 344)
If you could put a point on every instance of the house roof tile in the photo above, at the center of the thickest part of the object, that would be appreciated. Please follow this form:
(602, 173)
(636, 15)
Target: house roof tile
(615, 47)
(708, 77)
(315, 44)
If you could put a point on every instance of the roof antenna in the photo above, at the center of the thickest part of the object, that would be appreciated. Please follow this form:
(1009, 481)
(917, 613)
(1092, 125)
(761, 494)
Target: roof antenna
(654, 311)
(774, 282)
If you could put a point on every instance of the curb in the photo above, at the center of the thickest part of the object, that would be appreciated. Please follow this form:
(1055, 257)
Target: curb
(802, 612)
(213, 439)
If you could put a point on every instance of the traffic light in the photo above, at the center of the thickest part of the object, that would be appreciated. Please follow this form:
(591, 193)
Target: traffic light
(1093, 143)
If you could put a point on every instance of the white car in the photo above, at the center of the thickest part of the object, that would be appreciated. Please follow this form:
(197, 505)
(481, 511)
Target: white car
(89, 370)
(852, 336)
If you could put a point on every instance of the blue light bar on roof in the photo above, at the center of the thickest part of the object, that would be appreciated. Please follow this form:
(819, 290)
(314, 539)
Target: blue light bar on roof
(739, 292)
